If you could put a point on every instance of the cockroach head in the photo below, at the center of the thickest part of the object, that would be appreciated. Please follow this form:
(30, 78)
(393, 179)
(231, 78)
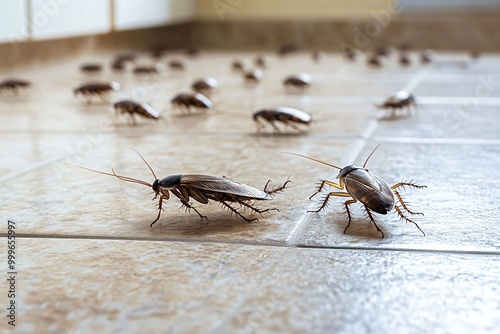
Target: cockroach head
(155, 185)
(346, 170)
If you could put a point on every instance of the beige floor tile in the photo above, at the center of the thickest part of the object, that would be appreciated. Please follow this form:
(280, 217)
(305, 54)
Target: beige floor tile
(104, 286)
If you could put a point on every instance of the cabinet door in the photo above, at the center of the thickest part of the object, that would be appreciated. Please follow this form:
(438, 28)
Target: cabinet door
(131, 14)
(13, 23)
(64, 18)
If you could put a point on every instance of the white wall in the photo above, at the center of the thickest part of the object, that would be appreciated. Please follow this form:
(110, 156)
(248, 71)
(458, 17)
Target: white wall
(13, 22)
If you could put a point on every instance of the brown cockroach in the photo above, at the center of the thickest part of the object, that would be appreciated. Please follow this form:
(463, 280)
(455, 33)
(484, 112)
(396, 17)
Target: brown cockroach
(188, 101)
(287, 49)
(253, 76)
(318, 56)
(132, 108)
(297, 82)
(372, 191)
(176, 64)
(148, 69)
(96, 89)
(205, 86)
(351, 54)
(193, 51)
(404, 59)
(262, 61)
(475, 54)
(384, 51)
(237, 66)
(400, 100)
(375, 61)
(91, 68)
(14, 85)
(123, 61)
(203, 189)
(288, 116)
(427, 56)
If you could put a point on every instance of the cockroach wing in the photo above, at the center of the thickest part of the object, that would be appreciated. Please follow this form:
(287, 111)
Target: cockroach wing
(370, 190)
(222, 185)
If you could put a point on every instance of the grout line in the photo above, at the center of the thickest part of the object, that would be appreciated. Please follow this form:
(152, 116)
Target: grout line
(283, 245)
(444, 141)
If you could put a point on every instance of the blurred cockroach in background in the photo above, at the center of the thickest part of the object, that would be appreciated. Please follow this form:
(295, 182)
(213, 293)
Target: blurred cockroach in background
(287, 49)
(132, 108)
(253, 76)
(205, 86)
(288, 116)
(427, 56)
(237, 66)
(91, 68)
(96, 89)
(122, 62)
(188, 101)
(297, 82)
(262, 61)
(374, 60)
(203, 189)
(193, 51)
(148, 69)
(176, 64)
(351, 54)
(14, 85)
(404, 59)
(400, 100)
(318, 56)
(370, 190)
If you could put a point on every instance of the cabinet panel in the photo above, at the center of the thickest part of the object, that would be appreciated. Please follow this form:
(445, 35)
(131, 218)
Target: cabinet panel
(63, 18)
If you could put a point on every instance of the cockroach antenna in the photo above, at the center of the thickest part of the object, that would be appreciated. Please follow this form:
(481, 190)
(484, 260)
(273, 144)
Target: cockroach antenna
(321, 162)
(366, 161)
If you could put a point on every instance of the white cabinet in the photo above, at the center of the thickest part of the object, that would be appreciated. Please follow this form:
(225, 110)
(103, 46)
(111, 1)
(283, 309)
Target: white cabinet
(132, 14)
(65, 18)
(13, 23)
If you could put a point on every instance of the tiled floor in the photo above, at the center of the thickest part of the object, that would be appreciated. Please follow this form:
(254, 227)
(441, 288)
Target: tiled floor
(89, 262)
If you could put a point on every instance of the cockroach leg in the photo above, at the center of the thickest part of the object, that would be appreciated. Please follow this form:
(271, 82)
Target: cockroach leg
(327, 198)
(236, 211)
(409, 184)
(404, 205)
(346, 204)
(260, 212)
(408, 220)
(373, 220)
(189, 206)
(322, 185)
(160, 203)
(277, 189)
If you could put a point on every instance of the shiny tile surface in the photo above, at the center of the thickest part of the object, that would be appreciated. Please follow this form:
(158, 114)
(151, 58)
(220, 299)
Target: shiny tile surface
(224, 274)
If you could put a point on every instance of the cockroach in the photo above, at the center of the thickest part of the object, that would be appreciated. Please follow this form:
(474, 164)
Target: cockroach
(158, 51)
(400, 100)
(375, 61)
(176, 64)
(193, 51)
(384, 51)
(297, 82)
(189, 101)
(205, 86)
(287, 49)
(351, 54)
(237, 66)
(475, 54)
(427, 56)
(372, 191)
(262, 61)
(14, 85)
(96, 89)
(147, 69)
(123, 61)
(253, 76)
(203, 189)
(288, 116)
(318, 56)
(404, 59)
(132, 108)
(91, 68)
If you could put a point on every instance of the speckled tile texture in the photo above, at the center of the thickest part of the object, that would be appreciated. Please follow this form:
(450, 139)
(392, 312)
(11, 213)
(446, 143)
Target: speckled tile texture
(88, 260)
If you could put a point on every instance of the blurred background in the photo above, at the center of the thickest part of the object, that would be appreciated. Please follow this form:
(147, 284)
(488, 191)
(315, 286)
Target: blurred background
(48, 29)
